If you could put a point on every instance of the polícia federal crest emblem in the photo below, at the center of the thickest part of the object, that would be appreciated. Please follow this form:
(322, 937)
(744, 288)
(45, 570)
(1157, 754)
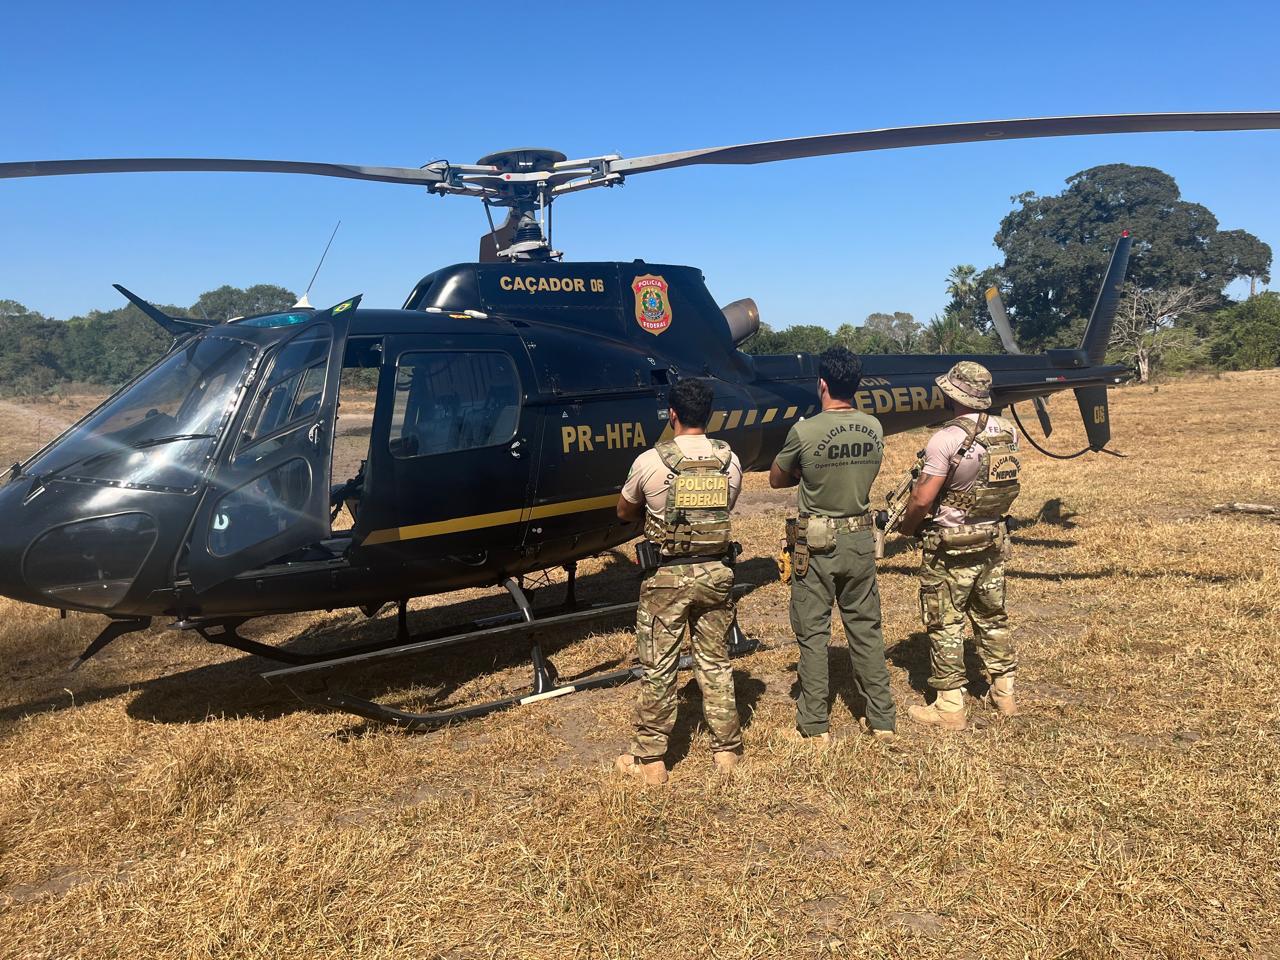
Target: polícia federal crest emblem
(653, 306)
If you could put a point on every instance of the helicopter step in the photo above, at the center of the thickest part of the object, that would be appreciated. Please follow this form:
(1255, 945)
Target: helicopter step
(307, 681)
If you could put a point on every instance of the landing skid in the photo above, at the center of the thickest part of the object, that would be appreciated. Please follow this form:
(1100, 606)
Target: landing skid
(308, 682)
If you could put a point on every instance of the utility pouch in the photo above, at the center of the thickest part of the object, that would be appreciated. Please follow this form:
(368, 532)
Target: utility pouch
(1005, 526)
(800, 559)
(819, 534)
(931, 605)
(648, 555)
(970, 538)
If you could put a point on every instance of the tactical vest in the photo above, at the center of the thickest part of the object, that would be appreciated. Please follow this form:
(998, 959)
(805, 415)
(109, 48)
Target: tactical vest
(996, 486)
(696, 519)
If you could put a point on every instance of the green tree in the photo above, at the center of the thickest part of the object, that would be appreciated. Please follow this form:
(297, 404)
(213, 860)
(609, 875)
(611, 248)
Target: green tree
(801, 338)
(1056, 248)
(1247, 335)
(222, 304)
(898, 328)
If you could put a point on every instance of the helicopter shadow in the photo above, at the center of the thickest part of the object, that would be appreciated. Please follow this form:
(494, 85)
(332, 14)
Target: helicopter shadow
(235, 688)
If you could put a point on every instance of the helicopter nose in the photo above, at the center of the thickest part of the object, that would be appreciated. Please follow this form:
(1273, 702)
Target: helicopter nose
(54, 555)
(13, 543)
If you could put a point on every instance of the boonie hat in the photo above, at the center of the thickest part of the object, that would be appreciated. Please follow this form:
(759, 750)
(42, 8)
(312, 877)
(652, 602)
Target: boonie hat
(968, 383)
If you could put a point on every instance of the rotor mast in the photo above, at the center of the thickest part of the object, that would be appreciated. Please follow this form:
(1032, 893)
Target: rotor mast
(526, 181)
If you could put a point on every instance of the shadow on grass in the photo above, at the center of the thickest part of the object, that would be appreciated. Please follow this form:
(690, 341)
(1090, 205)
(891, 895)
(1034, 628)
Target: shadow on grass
(912, 655)
(236, 688)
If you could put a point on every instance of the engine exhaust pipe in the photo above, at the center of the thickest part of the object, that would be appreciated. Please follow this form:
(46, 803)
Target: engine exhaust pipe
(744, 319)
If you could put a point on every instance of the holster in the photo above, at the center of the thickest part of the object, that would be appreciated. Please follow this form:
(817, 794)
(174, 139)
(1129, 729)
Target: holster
(798, 538)
(648, 556)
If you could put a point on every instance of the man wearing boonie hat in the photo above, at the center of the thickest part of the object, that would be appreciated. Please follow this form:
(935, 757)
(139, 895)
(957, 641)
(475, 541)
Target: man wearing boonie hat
(958, 508)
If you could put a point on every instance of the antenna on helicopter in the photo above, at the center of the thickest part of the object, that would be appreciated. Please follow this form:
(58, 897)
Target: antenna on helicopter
(303, 302)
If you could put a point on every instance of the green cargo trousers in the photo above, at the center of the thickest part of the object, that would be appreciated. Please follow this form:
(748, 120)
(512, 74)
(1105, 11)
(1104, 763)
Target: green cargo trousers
(699, 596)
(847, 576)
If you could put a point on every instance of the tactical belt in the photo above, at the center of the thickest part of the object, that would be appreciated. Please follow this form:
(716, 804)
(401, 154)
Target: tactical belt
(860, 522)
(798, 535)
(723, 556)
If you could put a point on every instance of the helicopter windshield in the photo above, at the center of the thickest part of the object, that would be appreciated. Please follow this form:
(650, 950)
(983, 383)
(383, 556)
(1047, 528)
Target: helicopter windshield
(161, 430)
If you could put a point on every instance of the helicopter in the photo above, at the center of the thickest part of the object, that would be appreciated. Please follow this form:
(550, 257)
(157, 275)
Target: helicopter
(510, 396)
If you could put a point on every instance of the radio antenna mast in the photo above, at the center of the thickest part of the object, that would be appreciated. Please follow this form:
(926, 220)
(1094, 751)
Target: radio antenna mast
(302, 300)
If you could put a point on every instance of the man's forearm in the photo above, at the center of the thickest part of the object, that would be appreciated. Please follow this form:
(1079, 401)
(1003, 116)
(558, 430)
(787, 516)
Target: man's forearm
(912, 517)
(779, 478)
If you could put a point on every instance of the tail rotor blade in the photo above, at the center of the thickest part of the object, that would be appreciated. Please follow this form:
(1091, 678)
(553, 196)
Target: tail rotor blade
(995, 307)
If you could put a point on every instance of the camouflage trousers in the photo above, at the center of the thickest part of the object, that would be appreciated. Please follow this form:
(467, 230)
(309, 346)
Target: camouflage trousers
(954, 587)
(699, 596)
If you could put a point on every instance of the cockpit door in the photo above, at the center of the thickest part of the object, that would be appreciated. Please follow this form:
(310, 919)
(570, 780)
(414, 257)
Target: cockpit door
(269, 495)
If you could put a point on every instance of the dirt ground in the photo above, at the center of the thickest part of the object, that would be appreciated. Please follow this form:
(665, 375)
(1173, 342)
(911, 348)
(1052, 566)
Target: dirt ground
(165, 802)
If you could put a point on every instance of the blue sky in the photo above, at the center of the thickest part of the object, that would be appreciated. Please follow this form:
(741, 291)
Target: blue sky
(814, 241)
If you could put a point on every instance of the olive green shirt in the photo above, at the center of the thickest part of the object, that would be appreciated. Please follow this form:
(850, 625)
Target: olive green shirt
(838, 453)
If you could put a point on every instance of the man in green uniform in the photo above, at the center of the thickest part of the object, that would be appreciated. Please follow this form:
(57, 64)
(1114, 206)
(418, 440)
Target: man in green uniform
(834, 458)
(968, 481)
(684, 488)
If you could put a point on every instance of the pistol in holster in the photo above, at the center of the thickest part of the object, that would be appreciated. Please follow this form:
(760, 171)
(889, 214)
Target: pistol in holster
(648, 556)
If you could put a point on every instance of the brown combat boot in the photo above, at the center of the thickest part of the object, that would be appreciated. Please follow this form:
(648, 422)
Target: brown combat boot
(725, 761)
(884, 736)
(946, 712)
(1000, 695)
(818, 741)
(653, 772)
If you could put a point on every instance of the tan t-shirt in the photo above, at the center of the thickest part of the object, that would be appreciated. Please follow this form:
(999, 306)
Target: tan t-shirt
(649, 477)
(944, 445)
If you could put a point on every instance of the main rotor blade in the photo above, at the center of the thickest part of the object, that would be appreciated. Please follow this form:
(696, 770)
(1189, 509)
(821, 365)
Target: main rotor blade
(995, 307)
(58, 168)
(892, 138)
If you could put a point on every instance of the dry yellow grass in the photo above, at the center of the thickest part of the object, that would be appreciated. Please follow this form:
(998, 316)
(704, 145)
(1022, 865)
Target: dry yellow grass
(165, 802)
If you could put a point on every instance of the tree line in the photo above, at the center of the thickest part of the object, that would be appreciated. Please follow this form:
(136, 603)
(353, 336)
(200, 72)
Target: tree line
(105, 348)
(1175, 314)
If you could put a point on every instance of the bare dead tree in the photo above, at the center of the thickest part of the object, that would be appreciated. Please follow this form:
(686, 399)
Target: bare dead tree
(1145, 326)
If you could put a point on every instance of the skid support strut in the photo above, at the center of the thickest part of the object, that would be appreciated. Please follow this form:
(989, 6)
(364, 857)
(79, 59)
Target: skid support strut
(309, 682)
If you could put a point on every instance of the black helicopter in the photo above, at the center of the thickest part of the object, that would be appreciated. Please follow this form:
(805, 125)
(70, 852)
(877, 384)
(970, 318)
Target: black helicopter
(511, 396)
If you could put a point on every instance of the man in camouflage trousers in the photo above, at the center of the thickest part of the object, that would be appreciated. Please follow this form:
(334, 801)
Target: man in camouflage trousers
(969, 480)
(684, 488)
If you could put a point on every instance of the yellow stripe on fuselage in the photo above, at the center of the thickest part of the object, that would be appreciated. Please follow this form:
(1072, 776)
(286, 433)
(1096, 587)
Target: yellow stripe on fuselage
(480, 521)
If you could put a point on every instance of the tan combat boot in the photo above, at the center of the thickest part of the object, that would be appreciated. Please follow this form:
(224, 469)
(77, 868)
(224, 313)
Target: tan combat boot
(818, 741)
(885, 736)
(653, 773)
(947, 711)
(1000, 695)
(725, 761)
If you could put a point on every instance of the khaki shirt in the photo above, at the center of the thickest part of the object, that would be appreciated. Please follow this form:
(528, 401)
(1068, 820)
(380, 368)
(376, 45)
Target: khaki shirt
(942, 447)
(838, 453)
(649, 477)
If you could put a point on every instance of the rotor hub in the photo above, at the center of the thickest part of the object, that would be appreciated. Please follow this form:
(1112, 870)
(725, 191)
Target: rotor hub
(523, 160)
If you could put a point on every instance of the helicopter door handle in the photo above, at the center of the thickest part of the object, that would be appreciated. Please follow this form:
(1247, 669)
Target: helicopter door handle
(314, 433)
(515, 448)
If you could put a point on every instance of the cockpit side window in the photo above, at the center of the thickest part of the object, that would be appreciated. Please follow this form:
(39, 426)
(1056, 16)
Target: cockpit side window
(453, 401)
(294, 386)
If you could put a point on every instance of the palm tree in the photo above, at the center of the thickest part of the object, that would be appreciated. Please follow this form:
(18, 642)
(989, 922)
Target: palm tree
(961, 283)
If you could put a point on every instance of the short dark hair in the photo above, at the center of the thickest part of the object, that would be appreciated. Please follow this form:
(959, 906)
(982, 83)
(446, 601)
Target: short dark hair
(842, 370)
(691, 400)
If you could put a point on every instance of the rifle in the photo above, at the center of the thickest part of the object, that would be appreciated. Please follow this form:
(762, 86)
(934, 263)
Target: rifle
(896, 502)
